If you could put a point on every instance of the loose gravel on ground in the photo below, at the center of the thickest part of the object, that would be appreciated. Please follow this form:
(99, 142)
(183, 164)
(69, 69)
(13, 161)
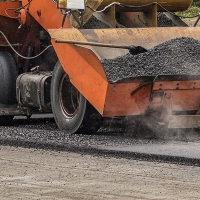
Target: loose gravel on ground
(44, 134)
(164, 21)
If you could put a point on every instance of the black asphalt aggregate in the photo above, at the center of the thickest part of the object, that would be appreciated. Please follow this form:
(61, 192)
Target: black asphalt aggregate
(179, 56)
(111, 141)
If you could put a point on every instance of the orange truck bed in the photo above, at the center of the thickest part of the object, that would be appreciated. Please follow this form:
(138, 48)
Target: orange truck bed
(133, 96)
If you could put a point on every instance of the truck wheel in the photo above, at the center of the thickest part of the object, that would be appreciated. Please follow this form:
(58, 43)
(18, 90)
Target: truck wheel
(72, 112)
(8, 76)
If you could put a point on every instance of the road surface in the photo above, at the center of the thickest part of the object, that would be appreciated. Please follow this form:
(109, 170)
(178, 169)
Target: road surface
(41, 174)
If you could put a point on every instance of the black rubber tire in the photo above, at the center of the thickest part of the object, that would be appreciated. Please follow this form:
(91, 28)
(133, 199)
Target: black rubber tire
(83, 119)
(8, 76)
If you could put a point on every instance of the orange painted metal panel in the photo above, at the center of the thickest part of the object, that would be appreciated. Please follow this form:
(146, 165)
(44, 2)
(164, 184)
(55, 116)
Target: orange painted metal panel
(121, 100)
(184, 100)
(185, 94)
(7, 9)
(174, 85)
(46, 13)
(85, 72)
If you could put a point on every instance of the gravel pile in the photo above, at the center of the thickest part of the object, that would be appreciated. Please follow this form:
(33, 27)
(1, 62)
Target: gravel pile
(94, 23)
(178, 56)
(164, 21)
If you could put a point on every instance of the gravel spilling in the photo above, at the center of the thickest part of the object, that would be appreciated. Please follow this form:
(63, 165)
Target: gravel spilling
(164, 21)
(178, 56)
(94, 23)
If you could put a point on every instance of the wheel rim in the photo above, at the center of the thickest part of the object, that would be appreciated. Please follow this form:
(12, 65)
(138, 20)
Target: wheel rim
(69, 98)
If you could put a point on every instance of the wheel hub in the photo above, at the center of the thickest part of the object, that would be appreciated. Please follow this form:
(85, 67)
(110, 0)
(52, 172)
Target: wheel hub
(69, 97)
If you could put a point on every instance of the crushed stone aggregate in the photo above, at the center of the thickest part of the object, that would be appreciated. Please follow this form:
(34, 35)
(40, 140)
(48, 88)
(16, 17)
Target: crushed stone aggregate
(164, 21)
(94, 23)
(44, 134)
(179, 56)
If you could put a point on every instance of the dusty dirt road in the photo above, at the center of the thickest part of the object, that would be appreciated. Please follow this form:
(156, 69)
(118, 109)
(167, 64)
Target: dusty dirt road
(40, 174)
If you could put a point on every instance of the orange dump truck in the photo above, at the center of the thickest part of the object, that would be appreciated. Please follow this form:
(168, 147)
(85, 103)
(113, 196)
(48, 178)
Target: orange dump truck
(50, 61)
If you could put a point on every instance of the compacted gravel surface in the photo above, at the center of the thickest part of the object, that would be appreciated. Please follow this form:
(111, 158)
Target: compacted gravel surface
(110, 164)
(111, 140)
(40, 174)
